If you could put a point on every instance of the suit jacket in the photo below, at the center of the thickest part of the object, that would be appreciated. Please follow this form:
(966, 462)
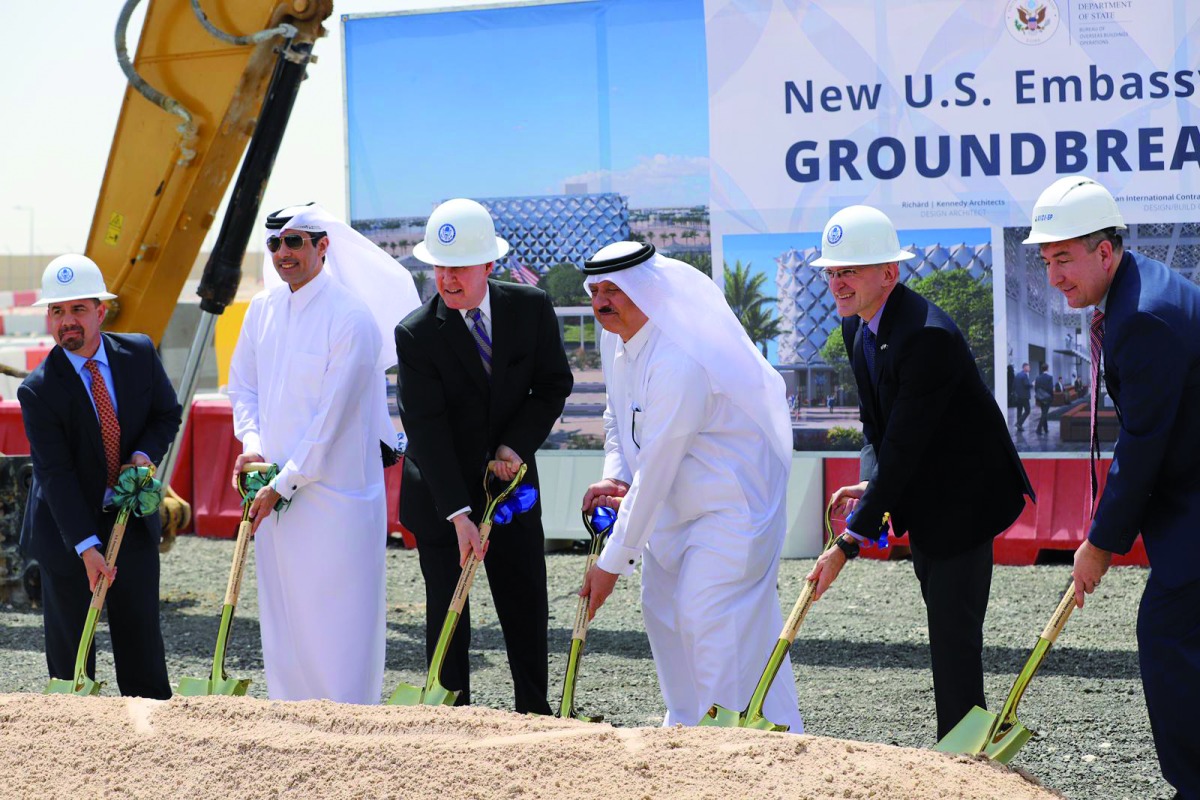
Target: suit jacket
(1151, 352)
(938, 454)
(69, 469)
(455, 417)
(1022, 386)
(1043, 388)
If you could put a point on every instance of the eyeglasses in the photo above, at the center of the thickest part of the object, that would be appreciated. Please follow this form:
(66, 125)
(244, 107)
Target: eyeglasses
(845, 273)
(294, 241)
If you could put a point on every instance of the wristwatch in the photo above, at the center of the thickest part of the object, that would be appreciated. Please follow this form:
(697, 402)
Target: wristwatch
(848, 545)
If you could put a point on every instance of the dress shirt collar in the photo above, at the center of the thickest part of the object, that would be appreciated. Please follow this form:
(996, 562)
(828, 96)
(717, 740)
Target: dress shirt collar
(78, 361)
(873, 323)
(637, 343)
(485, 309)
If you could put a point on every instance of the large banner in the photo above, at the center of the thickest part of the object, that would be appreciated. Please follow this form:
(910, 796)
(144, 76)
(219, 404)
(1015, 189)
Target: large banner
(950, 117)
(576, 124)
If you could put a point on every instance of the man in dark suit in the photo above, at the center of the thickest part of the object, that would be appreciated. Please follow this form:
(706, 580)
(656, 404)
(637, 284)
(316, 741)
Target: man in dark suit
(1022, 386)
(1145, 331)
(938, 456)
(1043, 393)
(98, 401)
(483, 376)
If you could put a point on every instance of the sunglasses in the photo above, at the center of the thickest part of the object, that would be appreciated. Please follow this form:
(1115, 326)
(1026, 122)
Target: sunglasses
(294, 241)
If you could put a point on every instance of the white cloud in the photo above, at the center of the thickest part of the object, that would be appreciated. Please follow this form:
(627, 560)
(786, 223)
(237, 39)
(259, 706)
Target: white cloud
(654, 181)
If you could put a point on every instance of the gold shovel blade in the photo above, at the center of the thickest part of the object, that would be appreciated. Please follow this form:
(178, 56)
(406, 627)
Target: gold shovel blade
(194, 687)
(82, 685)
(721, 717)
(406, 695)
(203, 687)
(438, 695)
(971, 735)
(1004, 747)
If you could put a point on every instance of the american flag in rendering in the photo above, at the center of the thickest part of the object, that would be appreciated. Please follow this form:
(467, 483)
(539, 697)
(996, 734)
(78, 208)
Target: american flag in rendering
(523, 274)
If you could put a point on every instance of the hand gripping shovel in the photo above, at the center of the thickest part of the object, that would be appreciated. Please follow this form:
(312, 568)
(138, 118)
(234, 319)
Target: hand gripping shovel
(136, 492)
(218, 682)
(1000, 736)
(752, 716)
(433, 693)
(599, 525)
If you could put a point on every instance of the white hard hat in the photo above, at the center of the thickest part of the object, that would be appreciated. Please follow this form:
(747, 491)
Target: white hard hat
(1071, 207)
(72, 277)
(460, 233)
(859, 236)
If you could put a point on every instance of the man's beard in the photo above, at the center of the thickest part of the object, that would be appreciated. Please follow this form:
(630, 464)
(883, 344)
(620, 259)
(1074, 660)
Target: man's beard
(73, 343)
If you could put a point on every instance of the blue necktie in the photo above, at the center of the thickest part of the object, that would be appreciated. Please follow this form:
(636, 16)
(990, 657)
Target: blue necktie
(869, 352)
(482, 342)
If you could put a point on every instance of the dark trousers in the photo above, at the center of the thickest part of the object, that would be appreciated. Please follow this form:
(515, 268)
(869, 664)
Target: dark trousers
(1043, 425)
(1022, 411)
(133, 620)
(1168, 632)
(516, 571)
(955, 590)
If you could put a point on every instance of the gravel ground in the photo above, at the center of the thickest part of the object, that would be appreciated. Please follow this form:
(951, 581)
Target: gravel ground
(861, 660)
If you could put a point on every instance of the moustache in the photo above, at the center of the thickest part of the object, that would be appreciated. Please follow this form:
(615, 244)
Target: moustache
(73, 329)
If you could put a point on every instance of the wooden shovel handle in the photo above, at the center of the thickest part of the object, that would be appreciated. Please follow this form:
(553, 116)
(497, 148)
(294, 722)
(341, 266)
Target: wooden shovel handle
(1061, 614)
(803, 604)
(240, 550)
(256, 466)
(467, 578)
(110, 558)
(584, 605)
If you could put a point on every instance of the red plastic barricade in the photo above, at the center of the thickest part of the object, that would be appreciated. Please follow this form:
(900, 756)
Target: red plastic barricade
(1058, 522)
(12, 430)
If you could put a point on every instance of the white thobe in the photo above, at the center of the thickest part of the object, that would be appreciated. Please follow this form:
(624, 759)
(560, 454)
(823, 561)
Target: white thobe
(307, 395)
(706, 513)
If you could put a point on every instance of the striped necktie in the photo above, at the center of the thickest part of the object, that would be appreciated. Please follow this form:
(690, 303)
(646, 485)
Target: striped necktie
(482, 341)
(869, 352)
(110, 428)
(1097, 337)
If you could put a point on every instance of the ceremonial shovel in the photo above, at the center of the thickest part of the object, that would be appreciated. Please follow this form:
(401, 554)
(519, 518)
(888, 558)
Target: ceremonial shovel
(82, 684)
(433, 693)
(752, 717)
(218, 681)
(1000, 736)
(599, 525)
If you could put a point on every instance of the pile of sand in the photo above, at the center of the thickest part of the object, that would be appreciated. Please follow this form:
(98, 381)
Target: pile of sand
(221, 747)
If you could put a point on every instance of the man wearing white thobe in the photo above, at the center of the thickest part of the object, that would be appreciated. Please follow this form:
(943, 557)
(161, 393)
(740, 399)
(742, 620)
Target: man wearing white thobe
(697, 452)
(308, 395)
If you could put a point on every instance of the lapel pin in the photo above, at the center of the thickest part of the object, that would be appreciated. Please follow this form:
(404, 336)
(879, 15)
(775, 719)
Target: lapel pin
(883, 347)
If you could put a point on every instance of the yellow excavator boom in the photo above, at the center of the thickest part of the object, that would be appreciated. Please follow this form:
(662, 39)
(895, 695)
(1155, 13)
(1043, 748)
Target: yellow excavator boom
(165, 177)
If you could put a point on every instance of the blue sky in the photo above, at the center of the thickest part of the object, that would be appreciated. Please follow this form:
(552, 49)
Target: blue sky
(761, 249)
(517, 101)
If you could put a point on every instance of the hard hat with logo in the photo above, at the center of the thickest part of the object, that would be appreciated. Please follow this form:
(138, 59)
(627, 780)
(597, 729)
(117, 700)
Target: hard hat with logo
(460, 233)
(1071, 207)
(72, 277)
(859, 236)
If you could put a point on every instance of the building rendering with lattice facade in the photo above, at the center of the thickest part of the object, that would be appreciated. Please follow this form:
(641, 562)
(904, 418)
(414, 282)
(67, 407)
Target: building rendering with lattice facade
(559, 228)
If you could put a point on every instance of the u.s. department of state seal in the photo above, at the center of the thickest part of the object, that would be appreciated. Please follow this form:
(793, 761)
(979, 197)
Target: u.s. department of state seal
(1031, 21)
(65, 275)
(446, 233)
(835, 235)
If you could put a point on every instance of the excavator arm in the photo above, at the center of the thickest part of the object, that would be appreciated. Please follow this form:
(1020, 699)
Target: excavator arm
(174, 154)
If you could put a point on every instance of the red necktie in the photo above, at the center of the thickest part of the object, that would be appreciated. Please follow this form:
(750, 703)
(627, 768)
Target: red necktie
(1097, 336)
(110, 428)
